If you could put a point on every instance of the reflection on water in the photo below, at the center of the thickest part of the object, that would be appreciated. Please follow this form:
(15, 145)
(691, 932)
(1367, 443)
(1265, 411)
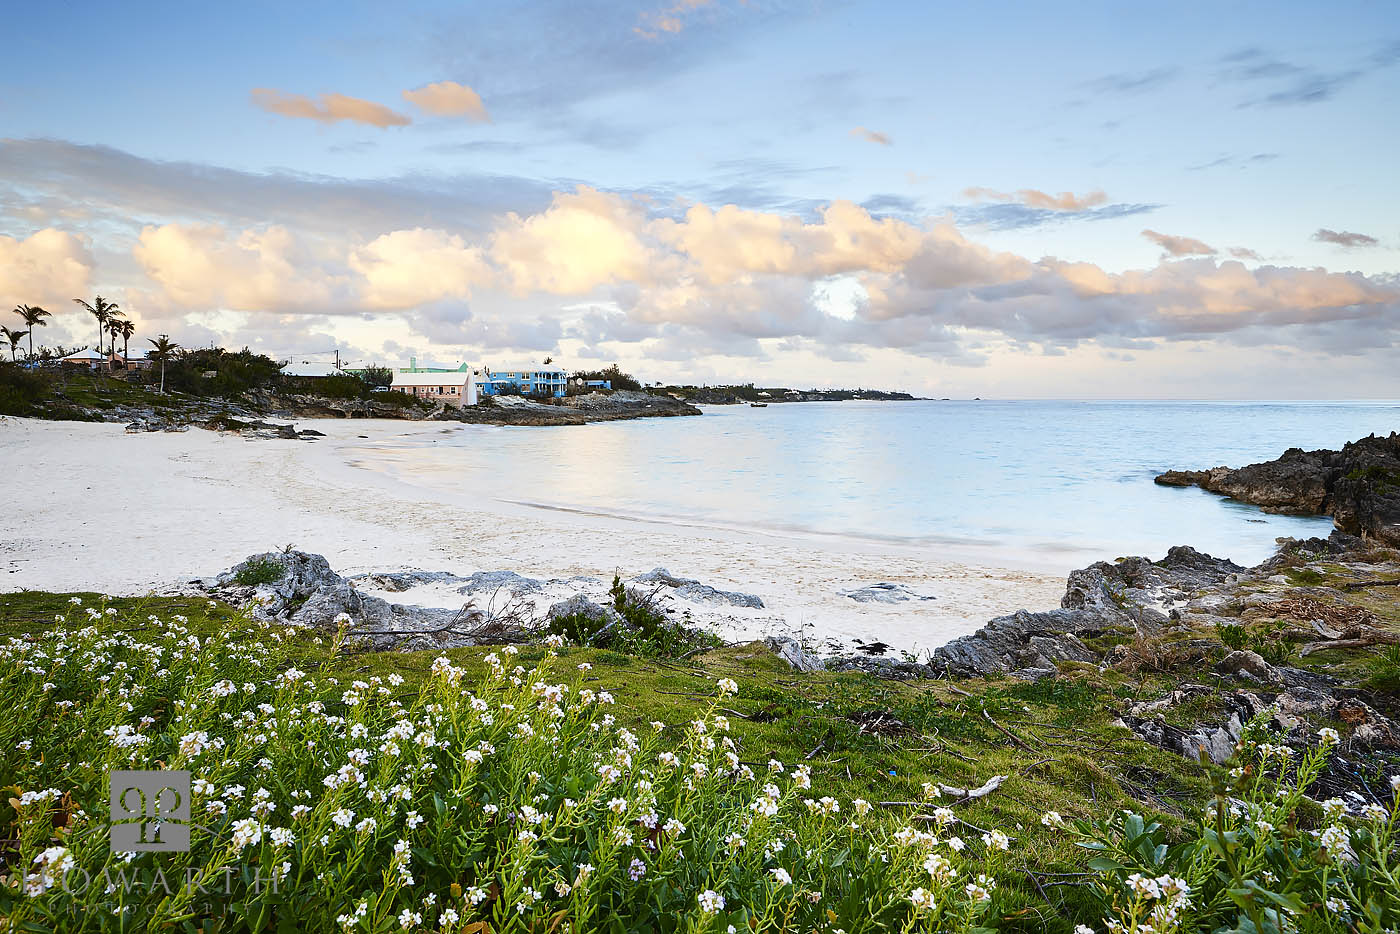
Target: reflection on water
(1046, 479)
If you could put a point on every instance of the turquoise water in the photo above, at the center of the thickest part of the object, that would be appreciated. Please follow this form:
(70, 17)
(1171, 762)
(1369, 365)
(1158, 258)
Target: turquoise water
(1051, 483)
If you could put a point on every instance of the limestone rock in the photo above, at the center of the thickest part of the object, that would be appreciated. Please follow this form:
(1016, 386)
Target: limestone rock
(696, 592)
(791, 651)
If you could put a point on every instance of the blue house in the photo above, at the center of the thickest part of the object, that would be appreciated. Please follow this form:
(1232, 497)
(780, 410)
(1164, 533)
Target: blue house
(544, 382)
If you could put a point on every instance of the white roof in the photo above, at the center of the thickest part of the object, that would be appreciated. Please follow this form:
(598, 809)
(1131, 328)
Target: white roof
(309, 368)
(86, 355)
(455, 378)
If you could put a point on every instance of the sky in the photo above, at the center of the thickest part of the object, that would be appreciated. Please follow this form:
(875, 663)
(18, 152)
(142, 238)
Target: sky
(1005, 200)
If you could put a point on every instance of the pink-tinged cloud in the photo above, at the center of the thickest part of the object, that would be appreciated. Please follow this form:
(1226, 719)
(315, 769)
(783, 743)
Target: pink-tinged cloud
(1344, 238)
(1179, 246)
(1032, 197)
(328, 108)
(1239, 252)
(670, 19)
(449, 99)
(872, 136)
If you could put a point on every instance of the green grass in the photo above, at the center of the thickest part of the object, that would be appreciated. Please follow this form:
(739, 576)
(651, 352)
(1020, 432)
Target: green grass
(861, 736)
(261, 571)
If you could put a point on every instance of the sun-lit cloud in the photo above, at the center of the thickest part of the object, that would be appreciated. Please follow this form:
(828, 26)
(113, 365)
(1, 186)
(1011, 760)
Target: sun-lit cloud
(1179, 246)
(47, 268)
(671, 19)
(449, 99)
(1344, 238)
(872, 136)
(1031, 197)
(328, 108)
(408, 268)
(206, 266)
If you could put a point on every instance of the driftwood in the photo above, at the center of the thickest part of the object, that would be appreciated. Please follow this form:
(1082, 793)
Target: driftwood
(1007, 733)
(1362, 585)
(1375, 637)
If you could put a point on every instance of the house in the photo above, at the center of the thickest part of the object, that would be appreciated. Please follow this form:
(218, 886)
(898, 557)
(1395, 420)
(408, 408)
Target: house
(456, 387)
(310, 368)
(541, 382)
(592, 383)
(86, 358)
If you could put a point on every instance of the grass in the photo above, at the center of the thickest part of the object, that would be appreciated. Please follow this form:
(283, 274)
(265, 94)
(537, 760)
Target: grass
(861, 736)
(1055, 741)
(260, 571)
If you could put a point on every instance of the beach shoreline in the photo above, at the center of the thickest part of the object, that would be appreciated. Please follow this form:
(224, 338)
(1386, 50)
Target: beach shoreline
(123, 513)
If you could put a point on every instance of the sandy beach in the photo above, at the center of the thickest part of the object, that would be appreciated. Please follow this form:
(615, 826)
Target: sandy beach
(99, 509)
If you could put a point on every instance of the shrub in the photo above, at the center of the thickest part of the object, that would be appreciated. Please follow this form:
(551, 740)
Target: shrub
(376, 376)
(646, 631)
(257, 571)
(1247, 863)
(233, 373)
(512, 802)
(21, 389)
(1234, 635)
(614, 374)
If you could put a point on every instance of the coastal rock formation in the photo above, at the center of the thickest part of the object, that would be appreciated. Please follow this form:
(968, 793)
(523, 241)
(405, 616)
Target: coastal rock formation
(1130, 596)
(301, 589)
(1358, 486)
(696, 592)
(884, 592)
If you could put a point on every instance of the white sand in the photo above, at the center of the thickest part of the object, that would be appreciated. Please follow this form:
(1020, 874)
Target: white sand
(94, 508)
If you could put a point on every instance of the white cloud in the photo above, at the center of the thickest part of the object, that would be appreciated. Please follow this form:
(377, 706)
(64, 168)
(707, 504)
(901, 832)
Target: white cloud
(48, 268)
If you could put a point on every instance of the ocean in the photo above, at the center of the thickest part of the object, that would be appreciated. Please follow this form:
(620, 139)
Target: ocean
(1047, 484)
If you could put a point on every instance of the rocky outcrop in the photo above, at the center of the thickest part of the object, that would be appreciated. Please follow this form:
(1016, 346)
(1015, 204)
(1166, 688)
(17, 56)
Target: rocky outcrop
(1131, 595)
(1358, 486)
(305, 591)
(571, 410)
(884, 592)
(696, 592)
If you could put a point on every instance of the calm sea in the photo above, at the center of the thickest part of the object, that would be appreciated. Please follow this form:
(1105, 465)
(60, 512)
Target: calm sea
(1054, 484)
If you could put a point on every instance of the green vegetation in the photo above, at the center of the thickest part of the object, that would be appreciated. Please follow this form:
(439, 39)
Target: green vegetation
(1098, 824)
(1234, 635)
(613, 373)
(261, 571)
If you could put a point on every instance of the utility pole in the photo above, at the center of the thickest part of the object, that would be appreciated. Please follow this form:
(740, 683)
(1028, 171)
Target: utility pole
(337, 358)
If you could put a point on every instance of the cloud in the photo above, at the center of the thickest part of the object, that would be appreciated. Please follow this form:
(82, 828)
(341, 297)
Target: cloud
(1239, 252)
(1179, 246)
(1344, 238)
(671, 19)
(207, 267)
(1294, 84)
(328, 108)
(449, 99)
(49, 267)
(1031, 197)
(1030, 207)
(647, 272)
(408, 268)
(1133, 82)
(872, 136)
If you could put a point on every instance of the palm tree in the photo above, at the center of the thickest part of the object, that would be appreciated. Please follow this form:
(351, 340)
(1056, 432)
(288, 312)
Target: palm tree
(33, 317)
(164, 347)
(125, 329)
(13, 337)
(103, 311)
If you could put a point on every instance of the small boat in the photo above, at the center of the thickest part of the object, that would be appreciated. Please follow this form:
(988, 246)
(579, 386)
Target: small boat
(758, 405)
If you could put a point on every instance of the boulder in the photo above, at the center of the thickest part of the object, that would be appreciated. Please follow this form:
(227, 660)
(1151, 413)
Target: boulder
(884, 592)
(1246, 664)
(580, 605)
(792, 652)
(696, 592)
(493, 581)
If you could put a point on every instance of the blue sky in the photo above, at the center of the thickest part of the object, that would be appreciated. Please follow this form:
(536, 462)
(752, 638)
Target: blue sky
(1044, 199)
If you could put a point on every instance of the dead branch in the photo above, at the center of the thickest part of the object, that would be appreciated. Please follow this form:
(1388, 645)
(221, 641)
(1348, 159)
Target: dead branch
(1007, 733)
